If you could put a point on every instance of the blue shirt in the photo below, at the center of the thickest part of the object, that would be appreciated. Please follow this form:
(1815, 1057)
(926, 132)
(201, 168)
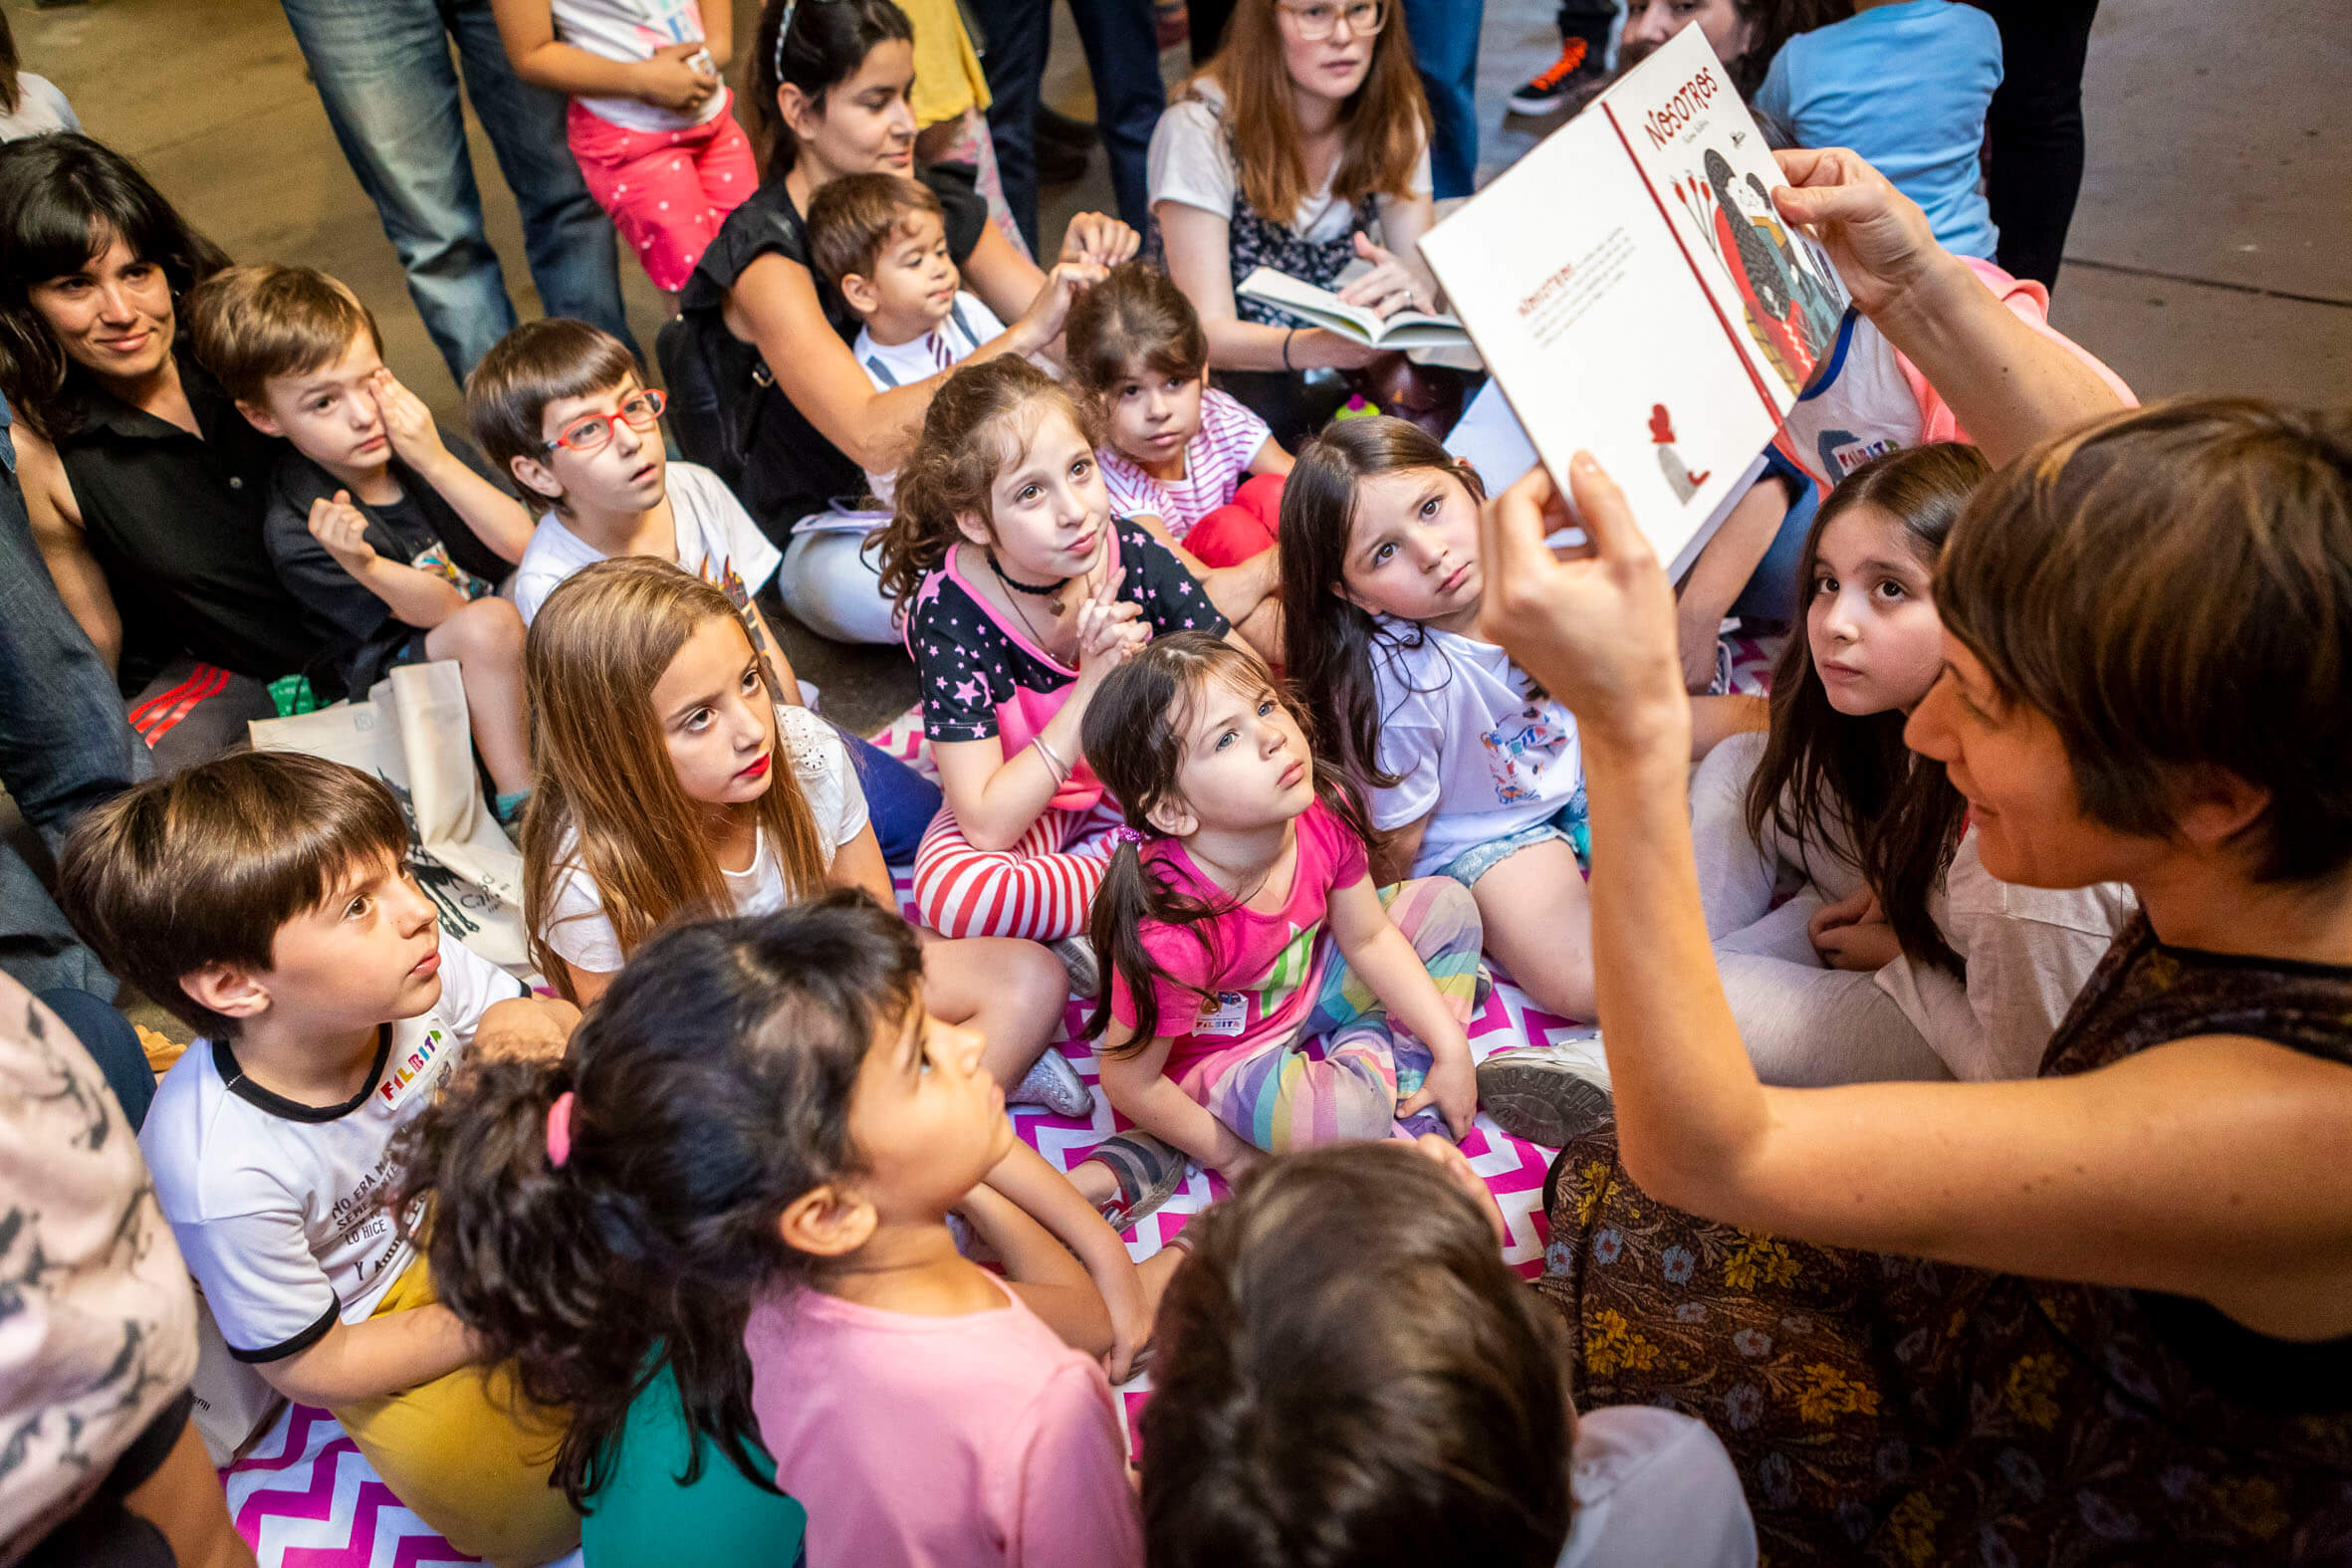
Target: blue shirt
(1907, 87)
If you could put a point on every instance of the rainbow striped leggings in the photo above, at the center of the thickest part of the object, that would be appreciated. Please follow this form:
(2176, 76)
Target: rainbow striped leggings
(1341, 1078)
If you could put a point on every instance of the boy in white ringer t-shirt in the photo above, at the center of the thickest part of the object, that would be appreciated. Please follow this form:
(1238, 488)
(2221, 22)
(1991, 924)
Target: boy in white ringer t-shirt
(266, 899)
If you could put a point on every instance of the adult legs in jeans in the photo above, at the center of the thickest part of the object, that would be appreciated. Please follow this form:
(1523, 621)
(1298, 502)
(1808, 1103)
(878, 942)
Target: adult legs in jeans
(64, 745)
(1019, 35)
(2034, 130)
(1123, 57)
(390, 90)
(1445, 52)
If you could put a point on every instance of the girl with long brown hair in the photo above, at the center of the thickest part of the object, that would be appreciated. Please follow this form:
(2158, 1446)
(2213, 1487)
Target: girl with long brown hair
(1265, 992)
(1857, 931)
(672, 784)
(1306, 133)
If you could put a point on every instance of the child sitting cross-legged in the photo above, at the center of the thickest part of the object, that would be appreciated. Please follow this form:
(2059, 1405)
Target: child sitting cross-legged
(1196, 467)
(265, 899)
(389, 535)
(1348, 1373)
(881, 239)
(1263, 994)
(741, 1172)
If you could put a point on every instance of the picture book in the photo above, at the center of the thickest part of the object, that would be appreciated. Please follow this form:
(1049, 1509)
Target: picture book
(1402, 330)
(1636, 295)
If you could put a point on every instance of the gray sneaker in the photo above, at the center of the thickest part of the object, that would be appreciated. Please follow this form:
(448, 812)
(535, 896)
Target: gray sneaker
(1086, 971)
(1053, 1083)
(1548, 1095)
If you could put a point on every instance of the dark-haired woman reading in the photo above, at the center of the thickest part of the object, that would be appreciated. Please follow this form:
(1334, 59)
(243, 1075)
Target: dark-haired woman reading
(829, 84)
(2104, 1314)
(145, 485)
(1304, 136)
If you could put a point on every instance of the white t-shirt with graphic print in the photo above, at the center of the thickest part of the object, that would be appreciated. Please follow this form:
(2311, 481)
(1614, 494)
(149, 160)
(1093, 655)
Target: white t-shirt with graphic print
(582, 937)
(278, 1207)
(1472, 746)
(717, 540)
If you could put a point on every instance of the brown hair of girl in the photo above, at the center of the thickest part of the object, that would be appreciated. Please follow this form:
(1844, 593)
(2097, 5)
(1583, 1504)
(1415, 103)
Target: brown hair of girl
(815, 44)
(1329, 640)
(956, 460)
(1383, 125)
(2172, 588)
(1135, 317)
(710, 1088)
(1829, 779)
(604, 797)
(1348, 1374)
(1133, 739)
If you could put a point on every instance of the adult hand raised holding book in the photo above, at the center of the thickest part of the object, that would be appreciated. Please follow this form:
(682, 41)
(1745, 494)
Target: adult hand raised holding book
(2009, 384)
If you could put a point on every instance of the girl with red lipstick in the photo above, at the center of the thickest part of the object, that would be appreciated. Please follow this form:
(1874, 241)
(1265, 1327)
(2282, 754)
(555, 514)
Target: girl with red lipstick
(1265, 993)
(1857, 933)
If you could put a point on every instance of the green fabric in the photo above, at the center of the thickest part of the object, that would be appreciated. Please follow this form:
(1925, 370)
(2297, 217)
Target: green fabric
(292, 694)
(644, 1518)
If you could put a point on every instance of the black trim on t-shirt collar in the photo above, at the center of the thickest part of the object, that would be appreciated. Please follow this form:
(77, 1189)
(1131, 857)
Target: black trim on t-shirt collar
(224, 1061)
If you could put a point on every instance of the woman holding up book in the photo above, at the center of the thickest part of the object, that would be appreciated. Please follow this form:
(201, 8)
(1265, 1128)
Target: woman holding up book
(1302, 136)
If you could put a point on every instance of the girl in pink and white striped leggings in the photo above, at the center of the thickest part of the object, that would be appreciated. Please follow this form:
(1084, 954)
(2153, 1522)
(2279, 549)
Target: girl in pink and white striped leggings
(1022, 592)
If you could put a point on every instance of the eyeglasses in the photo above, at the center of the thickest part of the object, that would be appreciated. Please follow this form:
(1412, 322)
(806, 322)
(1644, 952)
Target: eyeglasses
(594, 432)
(1319, 19)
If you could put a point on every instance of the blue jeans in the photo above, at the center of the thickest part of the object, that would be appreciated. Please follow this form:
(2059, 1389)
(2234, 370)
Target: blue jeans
(1122, 55)
(64, 744)
(1445, 52)
(384, 73)
(899, 802)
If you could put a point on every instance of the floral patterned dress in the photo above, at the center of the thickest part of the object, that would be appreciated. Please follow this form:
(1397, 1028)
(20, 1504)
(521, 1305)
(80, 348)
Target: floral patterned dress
(1884, 1409)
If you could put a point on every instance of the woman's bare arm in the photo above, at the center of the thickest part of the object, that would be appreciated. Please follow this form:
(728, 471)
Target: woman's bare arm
(1200, 261)
(2219, 1168)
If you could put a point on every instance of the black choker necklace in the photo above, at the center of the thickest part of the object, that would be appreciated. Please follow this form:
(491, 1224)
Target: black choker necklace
(1039, 590)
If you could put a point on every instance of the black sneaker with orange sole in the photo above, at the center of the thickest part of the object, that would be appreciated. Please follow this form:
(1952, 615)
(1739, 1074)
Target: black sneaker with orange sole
(1549, 89)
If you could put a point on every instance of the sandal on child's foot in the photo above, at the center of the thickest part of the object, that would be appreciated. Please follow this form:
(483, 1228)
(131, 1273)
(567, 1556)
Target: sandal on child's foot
(1548, 1095)
(1053, 1083)
(1148, 1172)
(1078, 958)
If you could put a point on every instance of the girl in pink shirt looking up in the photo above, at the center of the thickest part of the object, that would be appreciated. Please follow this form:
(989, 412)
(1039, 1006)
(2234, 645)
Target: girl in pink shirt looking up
(1261, 994)
(742, 1169)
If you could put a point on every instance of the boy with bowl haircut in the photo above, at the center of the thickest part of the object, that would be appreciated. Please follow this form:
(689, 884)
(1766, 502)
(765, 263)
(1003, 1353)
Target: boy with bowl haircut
(391, 538)
(264, 898)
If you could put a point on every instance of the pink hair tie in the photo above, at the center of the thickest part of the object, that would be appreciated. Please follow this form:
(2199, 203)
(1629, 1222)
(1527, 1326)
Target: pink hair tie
(1124, 835)
(559, 1130)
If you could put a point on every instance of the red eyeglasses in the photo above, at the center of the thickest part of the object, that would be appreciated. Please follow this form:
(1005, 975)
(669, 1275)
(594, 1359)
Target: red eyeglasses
(595, 431)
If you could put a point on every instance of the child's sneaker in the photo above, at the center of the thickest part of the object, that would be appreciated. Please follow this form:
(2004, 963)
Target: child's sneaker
(1548, 1095)
(1549, 89)
(1080, 963)
(1149, 1171)
(1053, 1083)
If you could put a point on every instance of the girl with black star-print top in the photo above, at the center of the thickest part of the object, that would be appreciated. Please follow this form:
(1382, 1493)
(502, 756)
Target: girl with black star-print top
(1020, 593)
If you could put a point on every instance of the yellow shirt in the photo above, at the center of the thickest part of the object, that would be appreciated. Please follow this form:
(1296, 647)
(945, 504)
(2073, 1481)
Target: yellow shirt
(947, 68)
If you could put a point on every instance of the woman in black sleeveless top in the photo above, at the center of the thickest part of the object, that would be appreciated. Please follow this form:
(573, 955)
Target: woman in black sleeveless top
(2104, 1316)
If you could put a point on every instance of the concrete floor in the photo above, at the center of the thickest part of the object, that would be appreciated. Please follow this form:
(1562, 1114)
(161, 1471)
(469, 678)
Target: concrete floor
(2212, 251)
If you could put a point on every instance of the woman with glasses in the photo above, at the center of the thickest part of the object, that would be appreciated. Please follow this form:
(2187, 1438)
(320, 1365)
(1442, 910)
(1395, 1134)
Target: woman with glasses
(1304, 136)
(145, 485)
(799, 424)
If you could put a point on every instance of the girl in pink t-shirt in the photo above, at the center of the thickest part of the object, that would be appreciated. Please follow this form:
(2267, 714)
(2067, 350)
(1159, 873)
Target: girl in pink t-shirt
(741, 1171)
(1261, 994)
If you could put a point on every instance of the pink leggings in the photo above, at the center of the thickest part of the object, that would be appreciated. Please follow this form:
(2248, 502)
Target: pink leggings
(1042, 888)
(666, 192)
(1243, 527)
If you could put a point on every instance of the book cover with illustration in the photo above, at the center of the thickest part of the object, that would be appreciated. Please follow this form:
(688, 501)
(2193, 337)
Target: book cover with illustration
(1635, 294)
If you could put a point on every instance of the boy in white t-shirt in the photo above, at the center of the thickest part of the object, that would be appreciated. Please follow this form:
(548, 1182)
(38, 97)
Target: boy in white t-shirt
(265, 898)
(881, 240)
(557, 406)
